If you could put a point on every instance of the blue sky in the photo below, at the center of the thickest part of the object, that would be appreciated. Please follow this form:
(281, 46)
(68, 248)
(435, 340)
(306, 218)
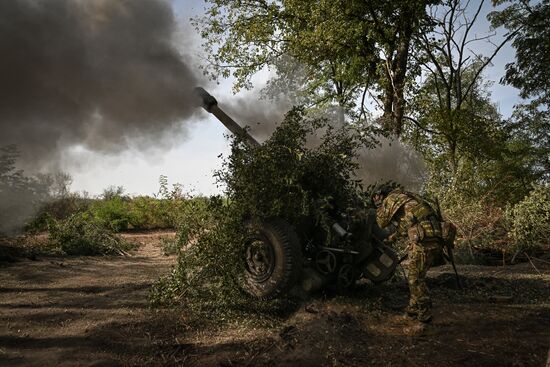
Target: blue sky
(192, 158)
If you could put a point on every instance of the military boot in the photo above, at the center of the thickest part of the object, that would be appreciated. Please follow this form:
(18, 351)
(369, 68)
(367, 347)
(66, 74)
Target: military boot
(411, 311)
(424, 316)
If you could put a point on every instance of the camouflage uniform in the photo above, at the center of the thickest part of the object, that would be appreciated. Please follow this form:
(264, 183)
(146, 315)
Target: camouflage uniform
(418, 231)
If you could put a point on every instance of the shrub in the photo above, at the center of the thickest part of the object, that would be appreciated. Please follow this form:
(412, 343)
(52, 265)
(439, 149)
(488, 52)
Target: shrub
(59, 209)
(170, 246)
(488, 231)
(144, 213)
(112, 212)
(529, 220)
(82, 234)
(283, 178)
(206, 260)
(204, 281)
(480, 224)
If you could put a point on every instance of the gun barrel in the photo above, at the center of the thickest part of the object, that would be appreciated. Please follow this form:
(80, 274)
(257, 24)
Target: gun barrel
(210, 104)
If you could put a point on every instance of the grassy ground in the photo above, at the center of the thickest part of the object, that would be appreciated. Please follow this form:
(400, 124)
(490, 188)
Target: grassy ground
(93, 311)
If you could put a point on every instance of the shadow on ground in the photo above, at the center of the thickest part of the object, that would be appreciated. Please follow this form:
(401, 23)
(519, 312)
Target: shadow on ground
(94, 312)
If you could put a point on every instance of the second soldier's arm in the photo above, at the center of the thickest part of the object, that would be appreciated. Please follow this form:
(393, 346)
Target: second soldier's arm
(382, 234)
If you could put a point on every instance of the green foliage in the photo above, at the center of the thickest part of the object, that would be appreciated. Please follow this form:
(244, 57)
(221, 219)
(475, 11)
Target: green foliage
(470, 149)
(342, 47)
(530, 127)
(112, 212)
(528, 22)
(82, 234)
(58, 209)
(207, 264)
(530, 220)
(117, 211)
(170, 246)
(121, 213)
(282, 178)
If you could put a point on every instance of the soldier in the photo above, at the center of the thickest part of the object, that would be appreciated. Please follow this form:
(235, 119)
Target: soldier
(416, 228)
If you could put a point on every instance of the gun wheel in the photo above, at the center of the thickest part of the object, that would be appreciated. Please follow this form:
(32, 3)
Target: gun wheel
(272, 259)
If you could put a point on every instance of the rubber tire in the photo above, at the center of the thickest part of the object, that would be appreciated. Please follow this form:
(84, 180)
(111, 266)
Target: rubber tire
(287, 257)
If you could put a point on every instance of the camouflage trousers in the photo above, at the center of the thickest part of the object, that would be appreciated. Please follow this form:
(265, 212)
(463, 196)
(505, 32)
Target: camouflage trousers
(421, 256)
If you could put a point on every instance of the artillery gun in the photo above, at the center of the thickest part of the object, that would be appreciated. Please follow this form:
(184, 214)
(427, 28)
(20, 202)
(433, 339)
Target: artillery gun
(283, 257)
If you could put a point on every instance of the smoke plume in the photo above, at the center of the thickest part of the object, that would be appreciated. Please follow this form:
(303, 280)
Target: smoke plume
(102, 74)
(392, 160)
(261, 116)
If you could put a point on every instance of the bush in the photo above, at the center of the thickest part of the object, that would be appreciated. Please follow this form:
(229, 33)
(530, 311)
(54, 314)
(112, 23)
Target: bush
(489, 232)
(529, 221)
(115, 209)
(205, 261)
(480, 224)
(170, 246)
(152, 213)
(82, 234)
(283, 178)
(113, 212)
(59, 209)
(204, 281)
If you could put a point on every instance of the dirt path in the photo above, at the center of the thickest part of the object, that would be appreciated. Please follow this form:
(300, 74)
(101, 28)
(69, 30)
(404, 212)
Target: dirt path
(93, 312)
(72, 311)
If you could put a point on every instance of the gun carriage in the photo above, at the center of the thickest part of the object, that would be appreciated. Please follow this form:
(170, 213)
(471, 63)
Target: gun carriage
(284, 257)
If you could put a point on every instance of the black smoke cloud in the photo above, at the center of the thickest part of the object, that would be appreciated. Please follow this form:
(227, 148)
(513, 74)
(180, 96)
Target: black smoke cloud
(103, 74)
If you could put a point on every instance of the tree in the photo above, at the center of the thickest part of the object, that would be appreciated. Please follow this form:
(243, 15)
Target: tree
(451, 109)
(477, 155)
(20, 195)
(530, 72)
(346, 49)
(531, 127)
(452, 140)
(530, 24)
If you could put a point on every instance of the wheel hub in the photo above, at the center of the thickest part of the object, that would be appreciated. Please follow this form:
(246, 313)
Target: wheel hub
(260, 259)
(325, 261)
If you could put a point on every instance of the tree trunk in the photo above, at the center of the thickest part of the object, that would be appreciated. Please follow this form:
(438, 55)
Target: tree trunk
(400, 78)
(396, 73)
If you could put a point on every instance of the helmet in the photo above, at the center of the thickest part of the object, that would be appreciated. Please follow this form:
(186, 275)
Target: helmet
(383, 190)
(380, 192)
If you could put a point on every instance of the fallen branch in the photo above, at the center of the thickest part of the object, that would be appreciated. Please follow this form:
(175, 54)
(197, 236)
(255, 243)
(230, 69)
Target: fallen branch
(529, 258)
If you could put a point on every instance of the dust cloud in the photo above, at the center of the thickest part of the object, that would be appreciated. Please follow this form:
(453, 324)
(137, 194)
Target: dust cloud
(104, 75)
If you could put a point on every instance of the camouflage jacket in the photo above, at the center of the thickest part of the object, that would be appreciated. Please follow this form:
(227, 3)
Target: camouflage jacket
(407, 211)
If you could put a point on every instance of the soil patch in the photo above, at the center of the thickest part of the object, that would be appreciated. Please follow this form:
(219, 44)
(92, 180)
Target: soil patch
(93, 311)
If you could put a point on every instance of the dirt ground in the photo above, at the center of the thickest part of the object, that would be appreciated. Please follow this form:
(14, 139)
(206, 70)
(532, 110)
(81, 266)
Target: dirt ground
(93, 311)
